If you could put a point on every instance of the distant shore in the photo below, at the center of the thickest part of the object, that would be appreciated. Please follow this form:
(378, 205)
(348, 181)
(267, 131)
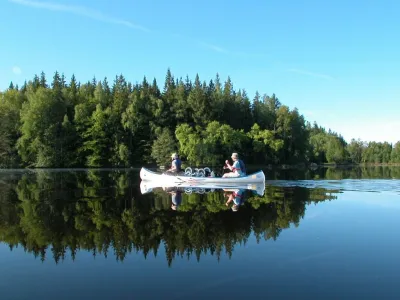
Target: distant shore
(249, 166)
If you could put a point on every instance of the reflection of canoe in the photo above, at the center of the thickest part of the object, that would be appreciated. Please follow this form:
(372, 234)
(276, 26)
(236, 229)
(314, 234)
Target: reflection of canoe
(162, 179)
(147, 186)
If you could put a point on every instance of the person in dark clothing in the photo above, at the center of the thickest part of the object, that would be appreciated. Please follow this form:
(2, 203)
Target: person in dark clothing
(176, 165)
(176, 196)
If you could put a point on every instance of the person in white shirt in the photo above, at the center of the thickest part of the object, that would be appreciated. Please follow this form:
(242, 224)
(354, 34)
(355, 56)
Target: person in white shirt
(237, 168)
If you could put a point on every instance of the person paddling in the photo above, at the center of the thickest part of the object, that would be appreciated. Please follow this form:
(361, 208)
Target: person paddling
(237, 168)
(176, 164)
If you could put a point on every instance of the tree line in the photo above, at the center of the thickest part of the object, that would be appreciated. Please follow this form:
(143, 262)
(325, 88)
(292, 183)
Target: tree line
(98, 124)
(54, 215)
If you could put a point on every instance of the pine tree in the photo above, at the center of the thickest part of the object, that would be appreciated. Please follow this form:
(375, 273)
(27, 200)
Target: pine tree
(62, 80)
(107, 90)
(73, 87)
(24, 87)
(42, 80)
(169, 84)
(56, 84)
(188, 85)
(154, 89)
(36, 83)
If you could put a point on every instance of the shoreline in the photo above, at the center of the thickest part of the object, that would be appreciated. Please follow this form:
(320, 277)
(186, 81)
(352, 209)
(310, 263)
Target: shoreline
(280, 166)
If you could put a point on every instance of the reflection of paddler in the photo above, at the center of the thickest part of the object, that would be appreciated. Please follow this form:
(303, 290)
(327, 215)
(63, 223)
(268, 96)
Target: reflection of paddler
(237, 197)
(176, 197)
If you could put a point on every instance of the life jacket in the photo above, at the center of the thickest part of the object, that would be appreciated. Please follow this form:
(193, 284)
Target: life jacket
(237, 194)
(178, 163)
(239, 197)
(242, 166)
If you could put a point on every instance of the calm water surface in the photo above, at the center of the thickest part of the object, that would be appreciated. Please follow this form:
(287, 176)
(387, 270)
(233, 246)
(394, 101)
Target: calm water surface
(80, 234)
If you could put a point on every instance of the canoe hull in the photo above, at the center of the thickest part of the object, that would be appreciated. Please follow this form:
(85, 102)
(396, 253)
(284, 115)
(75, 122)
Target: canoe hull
(147, 186)
(148, 175)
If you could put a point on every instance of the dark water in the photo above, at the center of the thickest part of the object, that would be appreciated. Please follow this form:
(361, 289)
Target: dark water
(83, 234)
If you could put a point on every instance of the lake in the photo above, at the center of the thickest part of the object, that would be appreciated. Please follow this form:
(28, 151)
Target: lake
(78, 234)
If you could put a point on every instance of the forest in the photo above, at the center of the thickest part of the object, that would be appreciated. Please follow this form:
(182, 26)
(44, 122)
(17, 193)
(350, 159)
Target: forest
(67, 123)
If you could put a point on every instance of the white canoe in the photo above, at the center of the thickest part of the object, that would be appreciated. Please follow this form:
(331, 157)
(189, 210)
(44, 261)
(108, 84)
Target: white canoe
(147, 186)
(164, 179)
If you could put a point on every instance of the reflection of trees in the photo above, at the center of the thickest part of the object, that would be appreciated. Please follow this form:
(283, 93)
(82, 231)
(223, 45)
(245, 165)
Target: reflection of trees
(362, 172)
(336, 173)
(99, 211)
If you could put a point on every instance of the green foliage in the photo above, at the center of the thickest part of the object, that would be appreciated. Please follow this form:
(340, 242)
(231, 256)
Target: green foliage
(211, 145)
(96, 139)
(355, 149)
(163, 147)
(190, 144)
(5, 146)
(10, 105)
(265, 142)
(5, 143)
(327, 147)
(92, 124)
(377, 152)
(395, 156)
(335, 150)
(41, 142)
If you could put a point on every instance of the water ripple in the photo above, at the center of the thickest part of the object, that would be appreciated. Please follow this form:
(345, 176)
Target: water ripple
(358, 185)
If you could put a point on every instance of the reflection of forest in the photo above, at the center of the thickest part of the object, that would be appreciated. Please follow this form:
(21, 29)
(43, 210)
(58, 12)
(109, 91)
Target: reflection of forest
(336, 173)
(99, 211)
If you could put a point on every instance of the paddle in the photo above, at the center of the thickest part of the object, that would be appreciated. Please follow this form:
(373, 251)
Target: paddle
(225, 166)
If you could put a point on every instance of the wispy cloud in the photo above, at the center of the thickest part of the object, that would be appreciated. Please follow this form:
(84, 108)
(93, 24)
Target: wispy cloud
(16, 70)
(100, 16)
(229, 52)
(214, 47)
(304, 72)
(80, 10)
(219, 49)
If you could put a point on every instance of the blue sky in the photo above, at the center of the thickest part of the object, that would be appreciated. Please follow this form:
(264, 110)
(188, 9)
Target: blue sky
(337, 61)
